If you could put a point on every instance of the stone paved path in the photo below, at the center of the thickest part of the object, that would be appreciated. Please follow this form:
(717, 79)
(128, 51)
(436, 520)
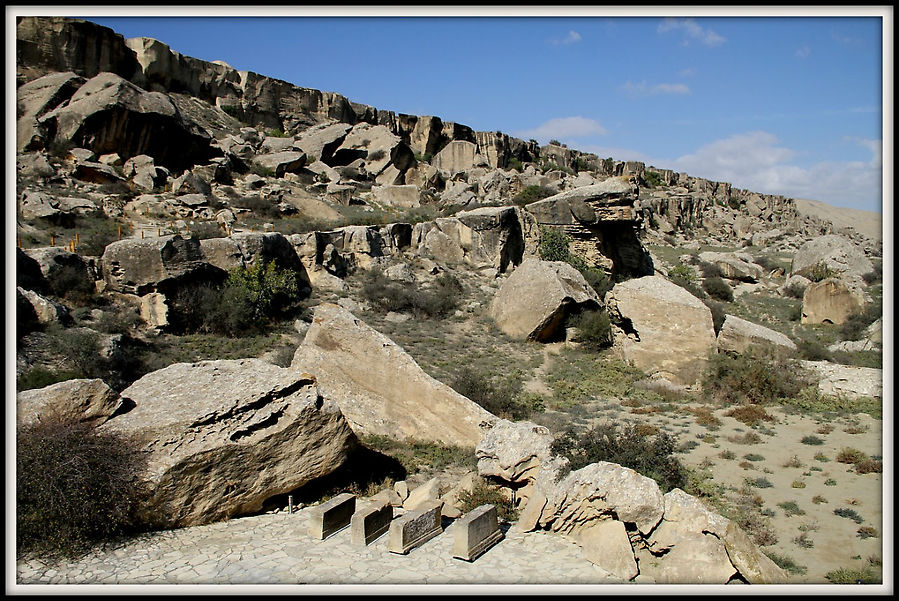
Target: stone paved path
(276, 549)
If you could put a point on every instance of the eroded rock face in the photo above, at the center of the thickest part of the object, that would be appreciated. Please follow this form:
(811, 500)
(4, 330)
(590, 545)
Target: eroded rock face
(733, 266)
(379, 387)
(36, 98)
(534, 300)
(662, 328)
(514, 451)
(110, 114)
(830, 301)
(84, 400)
(140, 266)
(221, 437)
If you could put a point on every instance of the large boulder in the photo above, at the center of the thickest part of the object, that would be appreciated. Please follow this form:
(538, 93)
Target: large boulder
(379, 387)
(733, 266)
(46, 311)
(741, 336)
(833, 252)
(84, 400)
(321, 141)
(533, 302)
(139, 267)
(109, 114)
(376, 146)
(830, 301)
(279, 163)
(63, 270)
(663, 329)
(224, 436)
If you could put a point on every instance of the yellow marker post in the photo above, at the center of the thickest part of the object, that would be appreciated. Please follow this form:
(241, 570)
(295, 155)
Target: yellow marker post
(52, 240)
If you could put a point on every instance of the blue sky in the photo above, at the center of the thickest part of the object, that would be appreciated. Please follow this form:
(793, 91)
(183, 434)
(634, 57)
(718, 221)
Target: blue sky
(782, 105)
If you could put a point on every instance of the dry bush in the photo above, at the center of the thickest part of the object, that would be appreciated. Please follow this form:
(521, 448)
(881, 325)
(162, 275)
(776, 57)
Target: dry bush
(750, 414)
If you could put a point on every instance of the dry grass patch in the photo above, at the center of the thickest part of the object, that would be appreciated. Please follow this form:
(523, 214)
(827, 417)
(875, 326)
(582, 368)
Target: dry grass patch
(746, 438)
(705, 417)
(750, 414)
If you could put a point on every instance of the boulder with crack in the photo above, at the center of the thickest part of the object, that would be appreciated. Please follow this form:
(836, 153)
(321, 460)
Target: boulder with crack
(221, 437)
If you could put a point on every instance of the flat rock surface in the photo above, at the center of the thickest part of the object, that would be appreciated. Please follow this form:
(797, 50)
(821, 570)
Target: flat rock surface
(277, 549)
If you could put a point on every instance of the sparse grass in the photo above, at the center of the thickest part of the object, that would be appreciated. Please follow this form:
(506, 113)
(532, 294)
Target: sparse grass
(793, 462)
(803, 541)
(746, 465)
(855, 429)
(825, 429)
(786, 563)
(830, 482)
(845, 512)
(744, 380)
(811, 440)
(727, 454)
(866, 532)
(416, 454)
(759, 482)
(753, 457)
(577, 375)
(797, 484)
(819, 456)
(746, 438)
(791, 508)
(818, 499)
(866, 575)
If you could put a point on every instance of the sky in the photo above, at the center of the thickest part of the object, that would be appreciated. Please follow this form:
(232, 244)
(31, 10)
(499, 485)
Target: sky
(774, 104)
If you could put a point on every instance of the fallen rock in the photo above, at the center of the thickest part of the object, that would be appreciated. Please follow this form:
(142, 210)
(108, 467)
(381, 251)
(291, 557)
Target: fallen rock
(379, 387)
(733, 267)
(85, 400)
(224, 436)
(139, 267)
(833, 252)
(607, 545)
(420, 495)
(514, 451)
(46, 310)
(740, 336)
(533, 302)
(280, 163)
(663, 329)
(847, 381)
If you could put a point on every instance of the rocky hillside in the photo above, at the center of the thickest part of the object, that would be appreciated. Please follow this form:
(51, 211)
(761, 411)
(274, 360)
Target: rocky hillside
(324, 266)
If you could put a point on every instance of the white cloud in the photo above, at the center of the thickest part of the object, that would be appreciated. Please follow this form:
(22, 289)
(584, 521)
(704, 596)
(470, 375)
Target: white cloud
(692, 31)
(754, 161)
(644, 89)
(803, 52)
(573, 37)
(564, 128)
(688, 72)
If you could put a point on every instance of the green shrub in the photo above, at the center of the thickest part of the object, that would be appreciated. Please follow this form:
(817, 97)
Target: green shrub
(786, 563)
(821, 272)
(795, 290)
(594, 328)
(39, 377)
(532, 194)
(866, 532)
(653, 179)
(845, 512)
(484, 494)
(718, 289)
(554, 246)
(745, 379)
(854, 326)
(709, 270)
(413, 454)
(515, 164)
(503, 398)
(74, 487)
(791, 508)
(811, 440)
(812, 350)
(759, 483)
(652, 457)
(386, 295)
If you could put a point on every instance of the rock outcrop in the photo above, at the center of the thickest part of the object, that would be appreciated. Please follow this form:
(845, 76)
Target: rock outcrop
(379, 387)
(740, 336)
(847, 381)
(834, 253)
(533, 302)
(830, 301)
(221, 437)
(662, 328)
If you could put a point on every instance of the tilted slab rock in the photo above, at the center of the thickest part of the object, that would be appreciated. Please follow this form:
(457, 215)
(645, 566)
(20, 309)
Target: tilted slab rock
(110, 114)
(741, 336)
(34, 99)
(662, 328)
(63, 268)
(532, 303)
(379, 387)
(224, 436)
(321, 141)
(279, 163)
(83, 400)
(45, 309)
